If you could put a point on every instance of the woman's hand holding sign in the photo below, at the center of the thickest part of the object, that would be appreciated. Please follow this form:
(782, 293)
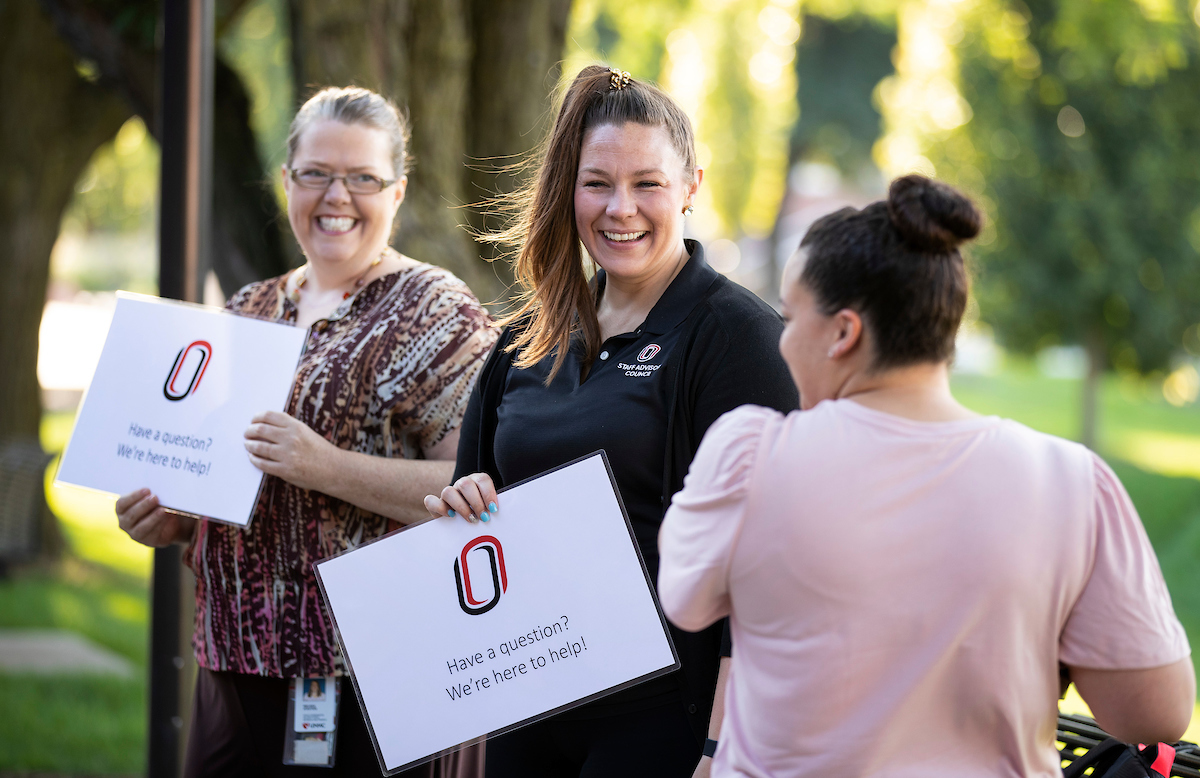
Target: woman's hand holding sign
(150, 524)
(284, 446)
(473, 497)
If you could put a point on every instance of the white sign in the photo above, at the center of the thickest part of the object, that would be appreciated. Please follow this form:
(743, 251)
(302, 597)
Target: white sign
(174, 391)
(453, 630)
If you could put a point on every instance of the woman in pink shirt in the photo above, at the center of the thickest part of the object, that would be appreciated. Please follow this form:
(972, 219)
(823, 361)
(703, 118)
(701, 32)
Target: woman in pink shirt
(903, 577)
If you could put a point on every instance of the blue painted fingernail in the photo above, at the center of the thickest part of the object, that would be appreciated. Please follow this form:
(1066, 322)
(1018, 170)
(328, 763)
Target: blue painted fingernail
(492, 507)
(485, 517)
(450, 513)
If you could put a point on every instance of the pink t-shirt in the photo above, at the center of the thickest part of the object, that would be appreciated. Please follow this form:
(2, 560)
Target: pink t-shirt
(901, 592)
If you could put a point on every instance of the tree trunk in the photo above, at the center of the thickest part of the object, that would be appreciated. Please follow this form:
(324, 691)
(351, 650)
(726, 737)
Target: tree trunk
(475, 76)
(517, 64)
(54, 120)
(1090, 400)
(418, 54)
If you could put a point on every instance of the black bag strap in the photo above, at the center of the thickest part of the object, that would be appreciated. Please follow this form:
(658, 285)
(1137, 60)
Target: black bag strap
(1101, 756)
(1112, 758)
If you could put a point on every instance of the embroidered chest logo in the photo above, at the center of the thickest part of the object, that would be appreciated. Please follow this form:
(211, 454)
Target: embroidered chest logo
(178, 385)
(467, 599)
(641, 369)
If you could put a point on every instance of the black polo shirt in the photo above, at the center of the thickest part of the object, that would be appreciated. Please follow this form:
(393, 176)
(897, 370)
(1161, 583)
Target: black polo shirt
(621, 407)
(707, 347)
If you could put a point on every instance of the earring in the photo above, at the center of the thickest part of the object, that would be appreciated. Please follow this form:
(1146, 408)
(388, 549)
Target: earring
(833, 350)
(688, 211)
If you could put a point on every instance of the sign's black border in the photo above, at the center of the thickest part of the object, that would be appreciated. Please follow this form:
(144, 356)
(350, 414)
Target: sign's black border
(675, 665)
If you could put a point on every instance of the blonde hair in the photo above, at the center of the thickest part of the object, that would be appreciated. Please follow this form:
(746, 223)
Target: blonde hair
(354, 105)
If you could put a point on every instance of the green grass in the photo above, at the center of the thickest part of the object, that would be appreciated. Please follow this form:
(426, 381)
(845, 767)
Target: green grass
(86, 518)
(77, 724)
(85, 724)
(107, 607)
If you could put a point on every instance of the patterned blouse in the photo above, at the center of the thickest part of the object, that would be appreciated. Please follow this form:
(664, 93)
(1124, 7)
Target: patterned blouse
(387, 374)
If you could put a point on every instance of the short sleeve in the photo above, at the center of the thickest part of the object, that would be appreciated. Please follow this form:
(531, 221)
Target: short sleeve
(1123, 620)
(700, 529)
(426, 384)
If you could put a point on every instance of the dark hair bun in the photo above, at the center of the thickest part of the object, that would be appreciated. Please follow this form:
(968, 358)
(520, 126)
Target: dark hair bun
(930, 215)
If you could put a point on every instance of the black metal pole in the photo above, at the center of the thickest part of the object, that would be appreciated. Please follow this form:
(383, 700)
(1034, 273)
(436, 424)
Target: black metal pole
(184, 119)
(165, 722)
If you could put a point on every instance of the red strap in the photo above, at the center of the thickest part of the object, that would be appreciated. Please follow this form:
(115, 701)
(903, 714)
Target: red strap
(1163, 761)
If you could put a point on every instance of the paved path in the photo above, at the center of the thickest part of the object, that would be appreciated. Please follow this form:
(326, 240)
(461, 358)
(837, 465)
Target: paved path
(56, 651)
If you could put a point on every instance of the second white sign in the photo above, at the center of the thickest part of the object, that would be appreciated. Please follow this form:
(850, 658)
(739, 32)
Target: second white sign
(457, 630)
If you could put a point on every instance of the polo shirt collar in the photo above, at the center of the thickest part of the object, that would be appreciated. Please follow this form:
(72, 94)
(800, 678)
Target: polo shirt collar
(683, 294)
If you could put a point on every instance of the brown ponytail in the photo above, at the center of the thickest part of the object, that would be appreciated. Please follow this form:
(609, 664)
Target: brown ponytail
(556, 300)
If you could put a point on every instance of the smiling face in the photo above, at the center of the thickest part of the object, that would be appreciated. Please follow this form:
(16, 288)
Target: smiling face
(630, 194)
(334, 226)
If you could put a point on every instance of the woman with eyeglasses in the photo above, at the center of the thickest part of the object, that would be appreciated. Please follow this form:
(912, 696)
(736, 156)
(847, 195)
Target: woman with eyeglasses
(394, 346)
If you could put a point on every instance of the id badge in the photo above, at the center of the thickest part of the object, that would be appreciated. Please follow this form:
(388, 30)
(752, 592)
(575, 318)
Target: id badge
(311, 736)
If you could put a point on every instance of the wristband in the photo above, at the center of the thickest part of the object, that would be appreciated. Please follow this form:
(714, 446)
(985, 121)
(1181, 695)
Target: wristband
(710, 747)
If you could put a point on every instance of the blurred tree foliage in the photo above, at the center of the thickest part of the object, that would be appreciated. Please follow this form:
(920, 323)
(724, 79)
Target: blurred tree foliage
(118, 191)
(839, 62)
(629, 36)
(257, 44)
(728, 63)
(843, 52)
(1077, 126)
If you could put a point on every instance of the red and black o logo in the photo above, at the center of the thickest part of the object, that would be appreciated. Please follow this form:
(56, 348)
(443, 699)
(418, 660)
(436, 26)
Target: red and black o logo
(462, 575)
(174, 388)
(649, 353)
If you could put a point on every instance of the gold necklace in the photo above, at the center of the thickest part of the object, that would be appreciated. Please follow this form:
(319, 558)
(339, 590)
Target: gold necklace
(294, 295)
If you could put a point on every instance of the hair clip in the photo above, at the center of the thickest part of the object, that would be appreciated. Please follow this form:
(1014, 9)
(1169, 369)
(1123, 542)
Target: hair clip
(618, 79)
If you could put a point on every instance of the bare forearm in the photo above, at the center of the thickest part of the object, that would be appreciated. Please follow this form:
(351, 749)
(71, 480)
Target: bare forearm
(1140, 706)
(394, 488)
(704, 768)
(718, 708)
(287, 448)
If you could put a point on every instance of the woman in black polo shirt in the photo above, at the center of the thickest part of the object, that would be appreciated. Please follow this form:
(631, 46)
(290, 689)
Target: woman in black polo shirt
(638, 361)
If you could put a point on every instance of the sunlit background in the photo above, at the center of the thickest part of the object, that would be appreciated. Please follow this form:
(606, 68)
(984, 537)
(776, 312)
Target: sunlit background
(1073, 124)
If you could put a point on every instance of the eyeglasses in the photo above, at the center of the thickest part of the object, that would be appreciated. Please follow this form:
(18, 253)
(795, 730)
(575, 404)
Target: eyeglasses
(356, 183)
